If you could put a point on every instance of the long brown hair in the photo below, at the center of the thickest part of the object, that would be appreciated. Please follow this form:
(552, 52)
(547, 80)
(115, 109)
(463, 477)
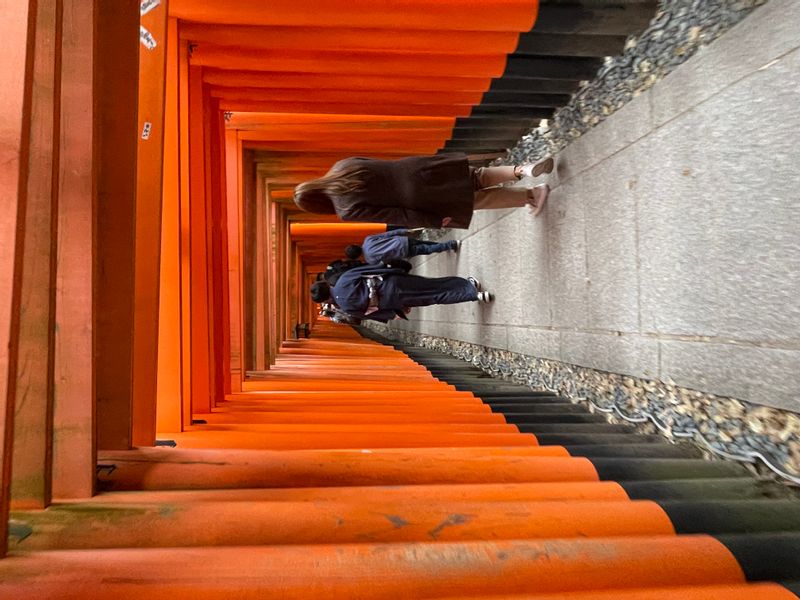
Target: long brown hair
(315, 196)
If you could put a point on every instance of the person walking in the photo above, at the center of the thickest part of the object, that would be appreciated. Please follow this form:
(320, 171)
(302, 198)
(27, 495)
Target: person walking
(419, 191)
(334, 269)
(384, 293)
(396, 244)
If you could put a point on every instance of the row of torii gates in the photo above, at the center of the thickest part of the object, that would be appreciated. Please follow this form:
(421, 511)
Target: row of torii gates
(151, 252)
(152, 270)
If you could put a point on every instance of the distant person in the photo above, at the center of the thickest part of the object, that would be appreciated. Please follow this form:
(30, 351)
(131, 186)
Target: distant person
(396, 244)
(420, 191)
(385, 293)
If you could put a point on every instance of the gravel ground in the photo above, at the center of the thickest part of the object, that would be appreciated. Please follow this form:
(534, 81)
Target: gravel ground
(721, 426)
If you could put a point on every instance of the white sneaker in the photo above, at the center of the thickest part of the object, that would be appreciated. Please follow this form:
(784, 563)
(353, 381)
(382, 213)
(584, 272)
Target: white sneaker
(485, 297)
(543, 167)
(475, 282)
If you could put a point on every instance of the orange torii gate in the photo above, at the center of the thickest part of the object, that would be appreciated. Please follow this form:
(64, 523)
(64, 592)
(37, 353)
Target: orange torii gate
(174, 261)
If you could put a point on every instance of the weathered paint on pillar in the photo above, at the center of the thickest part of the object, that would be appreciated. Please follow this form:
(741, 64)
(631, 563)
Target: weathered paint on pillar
(33, 367)
(14, 120)
(74, 438)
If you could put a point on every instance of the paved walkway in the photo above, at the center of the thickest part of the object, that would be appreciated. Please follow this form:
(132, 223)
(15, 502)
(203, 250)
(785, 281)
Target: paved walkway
(671, 247)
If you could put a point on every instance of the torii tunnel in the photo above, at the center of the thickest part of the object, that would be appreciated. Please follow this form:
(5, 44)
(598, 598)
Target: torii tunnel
(165, 433)
(158, 146)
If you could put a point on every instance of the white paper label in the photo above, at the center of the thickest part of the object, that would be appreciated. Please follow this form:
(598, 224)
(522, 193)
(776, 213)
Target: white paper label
(147, 6)
(146, 38)
(146, 130)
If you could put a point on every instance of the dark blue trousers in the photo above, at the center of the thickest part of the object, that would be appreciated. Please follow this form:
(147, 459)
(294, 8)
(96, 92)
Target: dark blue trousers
(400, 291)
(421, 247)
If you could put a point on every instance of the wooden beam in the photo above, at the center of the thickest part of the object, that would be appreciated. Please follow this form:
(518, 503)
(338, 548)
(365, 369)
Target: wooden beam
(215, 227)
(311, 147)
(147, 253)
(169, 391)
(527, 99)
(365, 136)
(248, 254)
(623, 20)
(320, 81)
(234, 268)
(201, 392)
(569, 44)
(564, 68)
(340, 62)
(116, 63)
(185, 229)
(74, 437)
(361, 106)
(339, 38)
(410, 96)
(222, 266)
(16, 66)
(274, 255)
(261, 247)
(34, 361)
(508, 83)
(495, 15)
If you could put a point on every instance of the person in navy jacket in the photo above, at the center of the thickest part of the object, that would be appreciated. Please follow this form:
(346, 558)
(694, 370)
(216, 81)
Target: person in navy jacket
(383, 293)
(398, 243)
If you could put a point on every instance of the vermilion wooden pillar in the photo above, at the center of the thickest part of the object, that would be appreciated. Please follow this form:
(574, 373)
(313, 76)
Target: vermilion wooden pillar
(211, 188)
(149, 168)
(261, 276)
(276, 292)
(170, 370)
(286, 261)
(74, 449)
(241, 200)
(185, 229)
(198, 256)
(279, 276)
(31, 367)
(232, 186)
(116, 68)
(272, 276)
(221, 257)
(15, 70)
(217, 255)
(248, 234)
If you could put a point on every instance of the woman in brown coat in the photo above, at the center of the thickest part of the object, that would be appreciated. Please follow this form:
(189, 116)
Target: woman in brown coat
(420, 191)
